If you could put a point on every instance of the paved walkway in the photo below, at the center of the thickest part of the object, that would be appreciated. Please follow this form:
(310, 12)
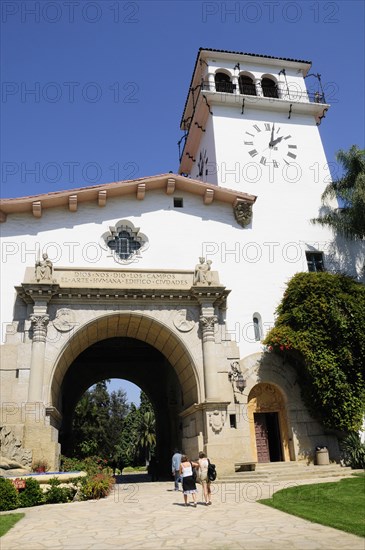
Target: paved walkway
(152, 516)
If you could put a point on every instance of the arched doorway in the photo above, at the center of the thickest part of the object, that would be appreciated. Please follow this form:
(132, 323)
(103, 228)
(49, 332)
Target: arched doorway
(137, 348)
(268, 424)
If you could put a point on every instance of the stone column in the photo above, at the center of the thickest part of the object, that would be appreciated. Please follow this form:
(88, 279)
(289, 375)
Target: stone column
(207, 326)
(211, 81)
(39, 325)
(236, 83)
(258, 87)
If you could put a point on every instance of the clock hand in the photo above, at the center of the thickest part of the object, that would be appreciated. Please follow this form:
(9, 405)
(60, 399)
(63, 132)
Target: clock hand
(276, 141)
(272, 136)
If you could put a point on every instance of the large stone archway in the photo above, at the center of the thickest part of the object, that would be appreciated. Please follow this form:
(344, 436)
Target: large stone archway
(169, 324)
(140, 349)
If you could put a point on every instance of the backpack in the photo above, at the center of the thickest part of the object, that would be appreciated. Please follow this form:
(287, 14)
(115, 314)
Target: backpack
(212, 472)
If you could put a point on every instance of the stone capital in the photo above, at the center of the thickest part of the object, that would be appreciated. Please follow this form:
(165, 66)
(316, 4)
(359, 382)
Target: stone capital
(207, 325)
(39, 325)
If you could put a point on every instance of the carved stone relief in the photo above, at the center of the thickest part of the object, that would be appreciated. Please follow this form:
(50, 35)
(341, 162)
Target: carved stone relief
(64, 320)
(183, 320)
(12, 449)
(216, 421)
(243, 213)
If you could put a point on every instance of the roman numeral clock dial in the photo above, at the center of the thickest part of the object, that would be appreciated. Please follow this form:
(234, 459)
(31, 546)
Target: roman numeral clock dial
(269, 143)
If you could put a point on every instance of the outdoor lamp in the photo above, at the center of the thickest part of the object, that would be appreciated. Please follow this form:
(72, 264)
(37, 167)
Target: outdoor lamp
(236, 376)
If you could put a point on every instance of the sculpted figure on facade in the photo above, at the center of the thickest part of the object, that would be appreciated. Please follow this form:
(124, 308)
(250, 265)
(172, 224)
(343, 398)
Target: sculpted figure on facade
(203, 274)
(44, 269)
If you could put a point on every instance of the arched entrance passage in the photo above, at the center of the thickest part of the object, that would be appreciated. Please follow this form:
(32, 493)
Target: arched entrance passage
(268, 424)
(137, 348)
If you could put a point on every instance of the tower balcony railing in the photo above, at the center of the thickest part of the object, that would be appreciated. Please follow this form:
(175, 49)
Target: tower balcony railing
(271, 92)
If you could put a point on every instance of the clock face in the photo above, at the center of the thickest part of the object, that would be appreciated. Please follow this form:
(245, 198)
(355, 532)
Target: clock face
(270, 143)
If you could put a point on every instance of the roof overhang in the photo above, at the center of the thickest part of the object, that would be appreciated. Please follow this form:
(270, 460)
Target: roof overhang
(100, 194)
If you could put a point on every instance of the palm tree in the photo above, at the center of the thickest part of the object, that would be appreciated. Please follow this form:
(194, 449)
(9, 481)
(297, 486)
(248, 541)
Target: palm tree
(350, 191)
(147, 433)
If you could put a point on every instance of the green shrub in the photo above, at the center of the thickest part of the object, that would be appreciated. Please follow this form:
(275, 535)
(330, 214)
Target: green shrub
(320, 330)
(56, 494)
(95, 487)
(32, 494)
(9, 498)
(353, 451)
(92, 465)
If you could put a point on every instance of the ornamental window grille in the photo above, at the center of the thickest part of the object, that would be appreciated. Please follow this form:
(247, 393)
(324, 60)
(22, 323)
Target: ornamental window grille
(125, 243)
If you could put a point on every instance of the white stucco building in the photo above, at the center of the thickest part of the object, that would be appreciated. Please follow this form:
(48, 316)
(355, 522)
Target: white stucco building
(122, 296)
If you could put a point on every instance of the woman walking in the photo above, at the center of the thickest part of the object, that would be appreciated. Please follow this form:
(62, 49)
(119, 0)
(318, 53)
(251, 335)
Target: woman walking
(204, 479)
(188, 482)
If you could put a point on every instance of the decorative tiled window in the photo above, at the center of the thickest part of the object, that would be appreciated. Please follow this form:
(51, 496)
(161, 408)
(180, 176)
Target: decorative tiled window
(125, 241)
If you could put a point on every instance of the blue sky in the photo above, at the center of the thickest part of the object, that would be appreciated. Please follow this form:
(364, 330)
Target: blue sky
(93, 91)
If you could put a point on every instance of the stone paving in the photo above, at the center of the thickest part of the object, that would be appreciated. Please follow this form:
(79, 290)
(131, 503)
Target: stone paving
(151, 516)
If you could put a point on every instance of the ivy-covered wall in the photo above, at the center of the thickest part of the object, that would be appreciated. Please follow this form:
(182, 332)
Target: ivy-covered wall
(320, 329)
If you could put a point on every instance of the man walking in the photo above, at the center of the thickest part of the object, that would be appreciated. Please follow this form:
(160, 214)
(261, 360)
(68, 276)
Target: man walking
(175, 466)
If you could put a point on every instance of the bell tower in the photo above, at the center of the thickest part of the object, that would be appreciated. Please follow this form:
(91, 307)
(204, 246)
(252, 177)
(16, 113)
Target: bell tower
(250, 124)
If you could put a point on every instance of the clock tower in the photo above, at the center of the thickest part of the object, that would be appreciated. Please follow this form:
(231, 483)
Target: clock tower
(251, 125)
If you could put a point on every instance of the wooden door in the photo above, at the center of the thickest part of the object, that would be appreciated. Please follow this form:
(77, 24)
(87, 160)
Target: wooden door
(262, 438)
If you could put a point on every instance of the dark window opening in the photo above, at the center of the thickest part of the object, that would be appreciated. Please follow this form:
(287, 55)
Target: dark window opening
(178, 202)
(232, 421)
(269, 88)
(257, 328)
(247, 85)
(125, 244)
(223, 83)
(315, 261)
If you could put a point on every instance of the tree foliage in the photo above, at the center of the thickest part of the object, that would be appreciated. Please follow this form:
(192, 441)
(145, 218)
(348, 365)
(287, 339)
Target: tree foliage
(98, 421)
(105, 425)
(349, 190)
(139, 434)
(320, 329)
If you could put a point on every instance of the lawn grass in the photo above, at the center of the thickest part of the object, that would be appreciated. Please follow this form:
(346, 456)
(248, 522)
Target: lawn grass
(340, 504)
(7, 521)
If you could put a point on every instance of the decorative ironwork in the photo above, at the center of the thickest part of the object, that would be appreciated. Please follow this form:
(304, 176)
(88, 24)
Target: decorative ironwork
(125, 242)
(206, 101)
(200, 127)
(322, 116)
(318, 77)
